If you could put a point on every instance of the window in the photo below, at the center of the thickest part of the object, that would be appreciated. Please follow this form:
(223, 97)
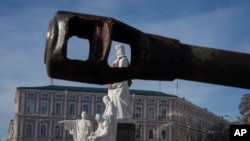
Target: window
(151, 101)
(150, 134)
(58, 108)
(138, 100)
(67, 133)
(163, 113)
(58, 96)
(164, 101)
(163, 134)
(138, 132)
(86, 108)
(99, 98)
(45, 95)
(57, 131)
(99, 109)
(31, 95)
(72, 109)
(43, 130)
(178, 133)
(86, 97)
(138, 112)
(28, 129)
(30, 106)
(44, 107)
(72, 97)
(151, 113)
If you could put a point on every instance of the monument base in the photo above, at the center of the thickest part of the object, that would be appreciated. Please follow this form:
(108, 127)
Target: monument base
(125, 132)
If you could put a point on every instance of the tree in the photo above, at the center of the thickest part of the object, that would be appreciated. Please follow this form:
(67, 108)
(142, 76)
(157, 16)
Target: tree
(244, 108)
(219, 132)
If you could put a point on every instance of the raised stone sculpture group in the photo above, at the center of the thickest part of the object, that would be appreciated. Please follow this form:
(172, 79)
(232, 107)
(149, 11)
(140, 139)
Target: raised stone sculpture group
(117, 110)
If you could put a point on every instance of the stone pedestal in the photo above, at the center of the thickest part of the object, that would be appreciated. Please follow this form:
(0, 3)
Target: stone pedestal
(125, 132)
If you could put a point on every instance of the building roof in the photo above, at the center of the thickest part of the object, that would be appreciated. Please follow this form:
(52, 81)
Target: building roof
(94, 90)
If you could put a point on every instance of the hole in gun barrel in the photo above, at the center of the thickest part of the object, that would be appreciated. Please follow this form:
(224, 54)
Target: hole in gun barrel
(113, 55)
(78, 49)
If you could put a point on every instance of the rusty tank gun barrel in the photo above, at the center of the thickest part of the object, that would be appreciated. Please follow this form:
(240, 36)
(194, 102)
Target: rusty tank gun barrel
(153, 57)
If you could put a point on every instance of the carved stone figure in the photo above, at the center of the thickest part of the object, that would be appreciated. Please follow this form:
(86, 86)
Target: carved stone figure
(110, 109)
(110, 115)
(103, 132)
(79, 128)
(119, 91)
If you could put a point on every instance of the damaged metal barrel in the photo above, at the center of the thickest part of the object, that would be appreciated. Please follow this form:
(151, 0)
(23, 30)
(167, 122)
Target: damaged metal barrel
(153, 57)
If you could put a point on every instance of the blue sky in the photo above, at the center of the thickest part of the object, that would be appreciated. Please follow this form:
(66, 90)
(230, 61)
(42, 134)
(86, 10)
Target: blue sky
(223, 24)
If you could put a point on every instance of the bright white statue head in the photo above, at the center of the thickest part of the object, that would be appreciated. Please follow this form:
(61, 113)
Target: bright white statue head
(105, 99)
(84, 115)
(98, 117)
(120, 50)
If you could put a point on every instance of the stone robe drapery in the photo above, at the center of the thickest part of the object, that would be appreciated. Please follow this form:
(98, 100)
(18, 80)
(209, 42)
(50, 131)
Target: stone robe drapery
(109, 115)
(103, 133)
(119, 93)
(79, 128)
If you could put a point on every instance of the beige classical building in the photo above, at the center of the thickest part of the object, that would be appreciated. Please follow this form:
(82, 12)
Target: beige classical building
(159, 116)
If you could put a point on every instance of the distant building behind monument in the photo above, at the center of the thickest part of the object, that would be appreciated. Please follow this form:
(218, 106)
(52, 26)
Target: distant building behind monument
(159, 116)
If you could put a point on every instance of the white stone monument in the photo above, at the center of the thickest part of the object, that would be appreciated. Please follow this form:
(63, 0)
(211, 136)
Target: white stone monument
(79, 128)
(117, 110)
(109, 114)
(119, 91)
(103, 131)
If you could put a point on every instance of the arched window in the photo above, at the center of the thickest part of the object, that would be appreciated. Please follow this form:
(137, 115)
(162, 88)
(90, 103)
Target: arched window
(28, 129)
(43, 130)
(150, 134)
(163, 134)
(57, 131)
(138, 134)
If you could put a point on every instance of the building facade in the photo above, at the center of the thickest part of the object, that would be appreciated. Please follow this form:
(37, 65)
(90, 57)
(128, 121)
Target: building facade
(159, 116)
